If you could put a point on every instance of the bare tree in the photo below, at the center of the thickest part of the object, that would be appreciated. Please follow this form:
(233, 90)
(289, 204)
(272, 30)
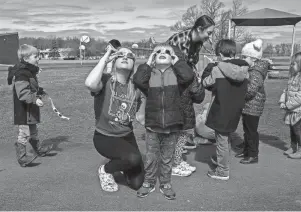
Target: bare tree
(238, 9)
(216, 10)
(188, 18)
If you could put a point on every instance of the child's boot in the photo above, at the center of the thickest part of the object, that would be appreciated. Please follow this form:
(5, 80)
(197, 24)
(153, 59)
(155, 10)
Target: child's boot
(39, 149)
(23, 157)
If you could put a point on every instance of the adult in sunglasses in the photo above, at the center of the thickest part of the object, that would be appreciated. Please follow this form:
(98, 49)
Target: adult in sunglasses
(187, 44)
(115, 106)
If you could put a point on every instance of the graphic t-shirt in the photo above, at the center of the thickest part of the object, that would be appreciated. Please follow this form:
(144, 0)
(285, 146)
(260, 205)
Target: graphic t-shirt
(114, 110)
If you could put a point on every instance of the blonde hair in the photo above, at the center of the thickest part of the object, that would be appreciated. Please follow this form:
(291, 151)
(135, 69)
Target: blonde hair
(131, 90)
(297, 59)
(25, 51)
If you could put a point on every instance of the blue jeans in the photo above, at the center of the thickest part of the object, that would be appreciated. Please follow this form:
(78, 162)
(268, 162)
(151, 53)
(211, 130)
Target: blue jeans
(160, 149)
(222, 153)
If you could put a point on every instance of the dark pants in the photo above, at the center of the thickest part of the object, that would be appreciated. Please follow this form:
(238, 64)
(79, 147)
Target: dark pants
(124, 155)
(296, 135)
(251, 136)
(160, 150)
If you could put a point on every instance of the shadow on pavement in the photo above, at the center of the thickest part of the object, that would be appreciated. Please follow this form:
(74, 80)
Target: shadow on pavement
(273, 141)
(203, 153)
(56, 141)
(33, 164)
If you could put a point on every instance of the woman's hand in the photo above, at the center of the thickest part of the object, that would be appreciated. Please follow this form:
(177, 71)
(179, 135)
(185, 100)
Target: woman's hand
(151, 58)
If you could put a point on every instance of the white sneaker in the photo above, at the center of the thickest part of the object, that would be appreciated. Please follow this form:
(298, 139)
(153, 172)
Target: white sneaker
(180, 171)
(187, 166)
(107, 181)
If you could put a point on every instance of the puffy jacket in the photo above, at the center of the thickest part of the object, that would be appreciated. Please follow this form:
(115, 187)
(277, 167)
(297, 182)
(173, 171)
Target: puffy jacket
(228, 81)
(163, 93)
(291, 97)
(256, 96)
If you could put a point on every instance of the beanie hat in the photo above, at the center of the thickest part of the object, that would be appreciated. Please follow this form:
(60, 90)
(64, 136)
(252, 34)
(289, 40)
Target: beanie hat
(253, 49)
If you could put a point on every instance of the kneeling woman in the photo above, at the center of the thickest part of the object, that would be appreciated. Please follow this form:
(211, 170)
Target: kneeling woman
(115, 105)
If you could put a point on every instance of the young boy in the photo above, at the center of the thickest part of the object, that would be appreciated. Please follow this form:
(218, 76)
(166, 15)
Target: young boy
(228, 81)
(26, 94)
(161, 79)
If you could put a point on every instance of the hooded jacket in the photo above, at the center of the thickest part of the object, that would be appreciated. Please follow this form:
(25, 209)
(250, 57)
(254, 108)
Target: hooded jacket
(256, 96)
(228, 81)
(26, 91)
(163, 93)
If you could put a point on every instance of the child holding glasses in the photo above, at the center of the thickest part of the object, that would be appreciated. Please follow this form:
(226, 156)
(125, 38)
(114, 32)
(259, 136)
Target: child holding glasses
(115, 105)
(159, 79)
(27, 102)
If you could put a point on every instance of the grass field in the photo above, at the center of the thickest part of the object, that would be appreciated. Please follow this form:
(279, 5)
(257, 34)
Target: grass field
(68, 180)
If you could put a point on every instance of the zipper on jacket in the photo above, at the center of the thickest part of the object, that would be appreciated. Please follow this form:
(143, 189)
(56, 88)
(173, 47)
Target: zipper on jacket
(162, 86)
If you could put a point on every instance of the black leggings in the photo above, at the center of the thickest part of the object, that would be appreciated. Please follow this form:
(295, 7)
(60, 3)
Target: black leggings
(124, 155)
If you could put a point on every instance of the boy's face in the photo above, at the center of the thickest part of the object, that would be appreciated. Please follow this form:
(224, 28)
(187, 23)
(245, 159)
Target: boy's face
(163, 56)
(33, 59)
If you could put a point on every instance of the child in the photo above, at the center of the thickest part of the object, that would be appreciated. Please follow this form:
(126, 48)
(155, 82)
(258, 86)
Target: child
(26, 94)
(228, 82)
(291, 101)
(159, 79)
(255, 99)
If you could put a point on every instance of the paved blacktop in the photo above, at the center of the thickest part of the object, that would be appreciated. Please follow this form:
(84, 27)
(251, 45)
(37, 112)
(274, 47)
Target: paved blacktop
(67, 180)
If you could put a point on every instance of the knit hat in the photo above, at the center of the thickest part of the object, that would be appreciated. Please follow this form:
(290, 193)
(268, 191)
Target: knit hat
(253, 49)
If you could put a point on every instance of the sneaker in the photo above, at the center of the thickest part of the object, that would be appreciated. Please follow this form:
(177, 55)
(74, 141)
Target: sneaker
(296, 155)
(145, 190)
(189, 146)
(215, 175)
(180, 171)
(107, 181)
(289, 151)
(167, 191)
(187, 166)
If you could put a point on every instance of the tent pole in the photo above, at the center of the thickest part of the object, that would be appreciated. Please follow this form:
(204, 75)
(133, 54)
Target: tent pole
(293, 40)
(229, 30)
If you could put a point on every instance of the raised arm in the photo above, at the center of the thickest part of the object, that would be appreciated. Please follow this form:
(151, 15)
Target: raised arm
(93, 81)
(142, 76)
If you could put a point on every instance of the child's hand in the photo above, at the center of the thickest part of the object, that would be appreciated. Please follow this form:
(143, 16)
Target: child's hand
(151, 58)
(175, 59)
(282, 106)
(39, 103)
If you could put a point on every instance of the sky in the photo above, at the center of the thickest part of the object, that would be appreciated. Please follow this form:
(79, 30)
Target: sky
(126, 20)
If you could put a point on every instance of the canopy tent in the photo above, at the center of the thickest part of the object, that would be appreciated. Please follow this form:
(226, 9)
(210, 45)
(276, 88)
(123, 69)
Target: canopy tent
(267, 17)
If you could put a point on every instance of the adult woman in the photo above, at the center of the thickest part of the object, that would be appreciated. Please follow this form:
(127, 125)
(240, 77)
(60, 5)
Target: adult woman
(115, 105)
(187, 44)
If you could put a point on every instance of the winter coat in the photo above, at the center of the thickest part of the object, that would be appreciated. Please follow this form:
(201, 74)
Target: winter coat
(228, 81)
(291, 97)
(256, 96)
(26, 91)
(163, 93)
